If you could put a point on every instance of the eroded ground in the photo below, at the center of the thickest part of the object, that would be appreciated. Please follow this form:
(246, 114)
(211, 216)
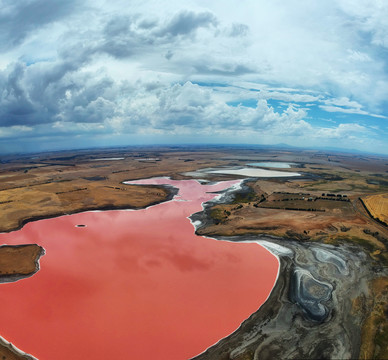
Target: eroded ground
(323, 209)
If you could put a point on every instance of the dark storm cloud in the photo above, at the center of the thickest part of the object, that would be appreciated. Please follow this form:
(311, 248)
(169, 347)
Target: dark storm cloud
(61, 90)
(186, 22)
(37, 95)
(122, 38)
(117, 25)
(95, 111)
(19, 18)
(125, 36)
(43, 78)
(15, 106)
(88, 100)
(148, 23)
(224, 69)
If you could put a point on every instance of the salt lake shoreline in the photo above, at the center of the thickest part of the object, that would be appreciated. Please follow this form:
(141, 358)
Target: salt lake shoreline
(284, 327)
(172, 191)
(263, 334)
(305, 316)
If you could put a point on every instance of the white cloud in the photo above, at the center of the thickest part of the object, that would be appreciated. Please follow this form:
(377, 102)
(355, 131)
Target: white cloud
(191, 108)
(331, 108)
(288, 96)
(369, 17)
(104, 66)
(343, 101)
(359, 56)
(343, 132)
(346, 106)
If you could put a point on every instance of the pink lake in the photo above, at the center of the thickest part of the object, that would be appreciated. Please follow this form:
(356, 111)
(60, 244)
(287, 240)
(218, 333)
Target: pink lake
(133, 284)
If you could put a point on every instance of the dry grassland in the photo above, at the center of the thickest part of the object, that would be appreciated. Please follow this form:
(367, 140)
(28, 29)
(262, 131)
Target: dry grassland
(61, 187)
(19, 260)
(378, 206)
(375, 327)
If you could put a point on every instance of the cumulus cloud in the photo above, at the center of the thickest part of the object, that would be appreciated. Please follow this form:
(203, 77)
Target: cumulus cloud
(343, 131)
(178, 68)
(34, 95)
(16, 108)
(197, 109)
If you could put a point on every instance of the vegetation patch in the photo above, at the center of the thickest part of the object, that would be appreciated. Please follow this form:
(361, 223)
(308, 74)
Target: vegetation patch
(219, 215)
(246, 195)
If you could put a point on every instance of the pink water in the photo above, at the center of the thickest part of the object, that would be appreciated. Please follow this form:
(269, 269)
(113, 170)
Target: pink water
(133, 284)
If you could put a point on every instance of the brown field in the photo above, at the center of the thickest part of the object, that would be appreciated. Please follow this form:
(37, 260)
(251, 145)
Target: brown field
(378, 206)
(45, 185)
(37, 189)
(287, 210)
(19, 260)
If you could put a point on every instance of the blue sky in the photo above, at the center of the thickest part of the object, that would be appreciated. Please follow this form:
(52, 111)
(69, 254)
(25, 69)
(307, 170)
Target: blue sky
(98, 73)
